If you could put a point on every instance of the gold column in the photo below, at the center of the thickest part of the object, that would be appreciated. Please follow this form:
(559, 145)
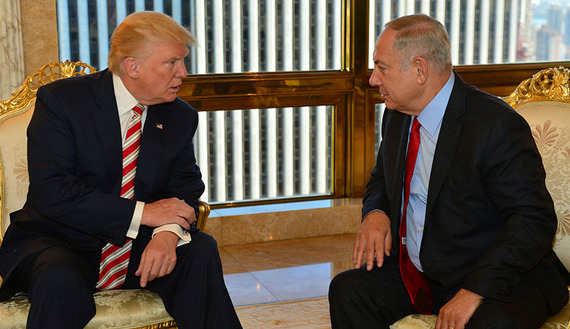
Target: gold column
(39, 28)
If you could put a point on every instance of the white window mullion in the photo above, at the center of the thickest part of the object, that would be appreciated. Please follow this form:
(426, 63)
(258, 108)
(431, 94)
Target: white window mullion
(271, 150)
(63, 30)
(236, 33)
(121, 10)
(218, 31)
(440, 11)
(177, 11)
(499, 29)
(337, 39)
(469, 33)
(102, 33)
(454, 37)
(201, 38)
(83, 31)
(321, 149)
(255, 154)
(158, 5)
(237, 155)
(140, 5)
(288, 128)
(221, 163)
(425, 7)
(513, 32)
(484, 32)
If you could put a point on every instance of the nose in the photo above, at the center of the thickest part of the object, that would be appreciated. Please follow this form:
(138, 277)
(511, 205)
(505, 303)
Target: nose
(375, 79)
(181, 71)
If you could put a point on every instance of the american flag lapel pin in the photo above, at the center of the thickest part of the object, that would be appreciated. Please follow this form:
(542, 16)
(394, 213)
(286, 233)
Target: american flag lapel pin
(159, 125)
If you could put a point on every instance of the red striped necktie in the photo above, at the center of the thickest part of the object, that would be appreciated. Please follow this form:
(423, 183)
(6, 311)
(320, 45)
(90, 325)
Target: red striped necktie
(418, 289)
(115, 258)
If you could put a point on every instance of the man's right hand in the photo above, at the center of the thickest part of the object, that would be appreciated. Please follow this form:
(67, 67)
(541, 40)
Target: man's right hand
(374, 238)
(168, 211)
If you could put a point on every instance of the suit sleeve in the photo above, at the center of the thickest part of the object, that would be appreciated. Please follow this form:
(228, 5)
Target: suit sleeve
(376, 197)
(515, 182)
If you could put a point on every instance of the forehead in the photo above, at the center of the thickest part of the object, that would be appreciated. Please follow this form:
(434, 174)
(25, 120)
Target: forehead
(167, 50)
(384, 45)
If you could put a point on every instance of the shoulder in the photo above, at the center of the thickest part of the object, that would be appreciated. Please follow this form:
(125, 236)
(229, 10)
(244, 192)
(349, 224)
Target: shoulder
(78, 86)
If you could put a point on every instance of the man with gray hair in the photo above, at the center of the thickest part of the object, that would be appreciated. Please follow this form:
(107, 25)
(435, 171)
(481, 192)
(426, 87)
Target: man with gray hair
(456, 218)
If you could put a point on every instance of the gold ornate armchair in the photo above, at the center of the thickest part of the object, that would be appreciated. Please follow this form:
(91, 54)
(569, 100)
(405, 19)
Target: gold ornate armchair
(115, 308)
(544, 101)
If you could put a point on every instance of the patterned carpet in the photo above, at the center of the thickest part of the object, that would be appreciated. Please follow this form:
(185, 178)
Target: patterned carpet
(301, 314)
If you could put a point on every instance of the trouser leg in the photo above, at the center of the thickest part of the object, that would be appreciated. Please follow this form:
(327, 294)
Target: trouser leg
(195, 294)
(60, 284)
(362, 299)
(528, 309)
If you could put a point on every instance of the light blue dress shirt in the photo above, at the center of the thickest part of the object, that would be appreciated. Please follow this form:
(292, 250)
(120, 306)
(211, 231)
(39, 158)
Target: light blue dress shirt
(430, 119)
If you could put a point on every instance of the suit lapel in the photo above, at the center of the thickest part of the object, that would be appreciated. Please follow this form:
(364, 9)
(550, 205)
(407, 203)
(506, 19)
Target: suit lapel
(106, 118)
(152, 146)
(447, 142)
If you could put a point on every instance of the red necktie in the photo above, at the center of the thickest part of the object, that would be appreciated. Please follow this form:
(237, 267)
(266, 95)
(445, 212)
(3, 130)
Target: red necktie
(115, 258)
(417, 287)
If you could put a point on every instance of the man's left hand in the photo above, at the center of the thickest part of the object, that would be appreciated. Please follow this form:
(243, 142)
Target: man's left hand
(158, 258)
(458, 311)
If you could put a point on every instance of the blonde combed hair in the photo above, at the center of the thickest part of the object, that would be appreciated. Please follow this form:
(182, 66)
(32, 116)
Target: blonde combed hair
(423, 36)
(139, 30)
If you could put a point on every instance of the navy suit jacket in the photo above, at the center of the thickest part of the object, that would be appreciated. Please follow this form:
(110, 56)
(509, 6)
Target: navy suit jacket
(75, 167)
(489, 219)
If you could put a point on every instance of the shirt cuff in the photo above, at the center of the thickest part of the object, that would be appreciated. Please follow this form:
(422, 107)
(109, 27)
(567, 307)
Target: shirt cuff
(184, 236)
(136, 221)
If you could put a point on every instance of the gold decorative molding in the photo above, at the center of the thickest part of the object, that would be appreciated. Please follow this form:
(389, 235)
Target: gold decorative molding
(20, 99)
(547, 84)
(163, 325)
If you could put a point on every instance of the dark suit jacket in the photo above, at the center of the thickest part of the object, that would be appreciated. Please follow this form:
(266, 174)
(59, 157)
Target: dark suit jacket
(75, 166)
(489, 217)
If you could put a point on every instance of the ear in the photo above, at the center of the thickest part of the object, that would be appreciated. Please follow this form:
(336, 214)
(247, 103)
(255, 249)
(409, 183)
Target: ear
(421, 67)
(131, 67)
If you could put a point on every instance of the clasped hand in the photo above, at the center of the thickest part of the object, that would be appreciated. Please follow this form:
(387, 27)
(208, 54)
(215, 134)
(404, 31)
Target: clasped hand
(168, 211)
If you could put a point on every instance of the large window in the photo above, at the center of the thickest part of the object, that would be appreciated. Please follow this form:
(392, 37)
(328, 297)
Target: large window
(281, 86)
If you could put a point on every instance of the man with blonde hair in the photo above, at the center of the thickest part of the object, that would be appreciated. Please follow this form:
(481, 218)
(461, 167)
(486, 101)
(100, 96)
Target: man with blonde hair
(114, 190)
(456, 218)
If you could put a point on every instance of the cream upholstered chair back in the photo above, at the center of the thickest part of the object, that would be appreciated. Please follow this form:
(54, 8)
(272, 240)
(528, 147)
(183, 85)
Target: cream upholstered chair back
(15, 114)
(544, 101)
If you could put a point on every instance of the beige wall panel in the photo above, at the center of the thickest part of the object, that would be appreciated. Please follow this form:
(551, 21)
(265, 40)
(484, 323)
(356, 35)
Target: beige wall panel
(39, 27)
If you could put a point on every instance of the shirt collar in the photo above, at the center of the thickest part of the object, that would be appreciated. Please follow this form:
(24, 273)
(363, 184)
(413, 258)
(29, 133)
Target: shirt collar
(125, 100)
(432, 115)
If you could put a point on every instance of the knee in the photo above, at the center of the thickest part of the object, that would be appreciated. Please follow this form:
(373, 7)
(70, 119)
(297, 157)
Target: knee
(343, 285)
(57, 270)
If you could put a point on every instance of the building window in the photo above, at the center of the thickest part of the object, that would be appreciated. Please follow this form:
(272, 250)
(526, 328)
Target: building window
(489, 31)
(232, 35)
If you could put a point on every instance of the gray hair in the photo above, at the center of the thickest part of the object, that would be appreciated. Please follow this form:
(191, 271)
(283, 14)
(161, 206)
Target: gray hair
(423, 36)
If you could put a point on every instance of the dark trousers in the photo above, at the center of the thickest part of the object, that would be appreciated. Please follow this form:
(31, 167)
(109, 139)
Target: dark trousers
(361, 299)
(60, 283)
